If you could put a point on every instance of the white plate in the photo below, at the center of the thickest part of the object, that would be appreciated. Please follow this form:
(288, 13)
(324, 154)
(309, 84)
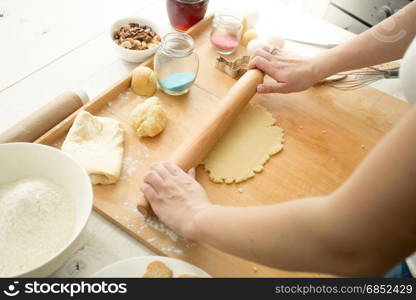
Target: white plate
(136, 267)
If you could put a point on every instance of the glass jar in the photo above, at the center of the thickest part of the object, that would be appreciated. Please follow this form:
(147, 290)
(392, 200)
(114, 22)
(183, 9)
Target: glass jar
(183, 14)
(176, 63)
(227, 27)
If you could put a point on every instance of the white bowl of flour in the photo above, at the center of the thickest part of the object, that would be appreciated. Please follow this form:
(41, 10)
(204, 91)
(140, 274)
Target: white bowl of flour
(45, 201)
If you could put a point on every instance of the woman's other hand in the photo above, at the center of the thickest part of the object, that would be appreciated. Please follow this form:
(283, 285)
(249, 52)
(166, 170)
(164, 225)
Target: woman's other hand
(291, 72)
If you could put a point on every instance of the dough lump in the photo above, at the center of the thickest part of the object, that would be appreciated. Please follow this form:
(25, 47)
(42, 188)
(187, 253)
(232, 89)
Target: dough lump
(248, 36)
(97, 144)
(143, 81)
(148, 118)
(246, 146)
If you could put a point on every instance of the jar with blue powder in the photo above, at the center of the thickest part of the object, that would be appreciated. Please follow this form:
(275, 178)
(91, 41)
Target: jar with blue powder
(176, 63)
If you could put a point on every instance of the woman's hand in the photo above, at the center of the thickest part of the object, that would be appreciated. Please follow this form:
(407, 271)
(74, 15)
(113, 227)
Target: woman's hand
(175, 196)
(292, 73)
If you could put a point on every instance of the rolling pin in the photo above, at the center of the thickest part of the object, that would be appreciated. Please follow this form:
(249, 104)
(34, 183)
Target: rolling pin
(190, 154)
(45, 118)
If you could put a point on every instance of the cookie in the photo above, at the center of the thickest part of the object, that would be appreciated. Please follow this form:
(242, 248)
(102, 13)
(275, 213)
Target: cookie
(187, 276)
(158, 269)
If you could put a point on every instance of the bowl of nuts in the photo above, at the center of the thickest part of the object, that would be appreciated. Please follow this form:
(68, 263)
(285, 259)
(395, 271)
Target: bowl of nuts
(135, 39)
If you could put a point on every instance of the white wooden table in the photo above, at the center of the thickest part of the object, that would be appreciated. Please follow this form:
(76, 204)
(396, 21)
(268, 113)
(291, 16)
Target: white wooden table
(50, 46)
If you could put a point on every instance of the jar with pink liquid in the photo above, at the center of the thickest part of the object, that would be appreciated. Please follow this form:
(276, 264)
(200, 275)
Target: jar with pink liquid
(226, 31)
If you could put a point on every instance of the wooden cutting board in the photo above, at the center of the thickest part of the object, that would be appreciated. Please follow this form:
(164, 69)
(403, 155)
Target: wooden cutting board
(327, 134)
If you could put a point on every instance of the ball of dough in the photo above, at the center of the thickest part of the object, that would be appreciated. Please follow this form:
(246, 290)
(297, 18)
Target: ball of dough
(274, 40)
(245, 25)
(248, 36)
(250, 18)
(255, 45)
(143, 81)
(148, 118)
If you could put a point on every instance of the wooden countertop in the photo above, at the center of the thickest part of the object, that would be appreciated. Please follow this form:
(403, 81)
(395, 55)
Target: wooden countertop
(82, 59)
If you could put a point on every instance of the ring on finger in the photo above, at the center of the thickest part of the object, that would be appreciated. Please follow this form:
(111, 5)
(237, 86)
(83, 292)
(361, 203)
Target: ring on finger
(271, 50)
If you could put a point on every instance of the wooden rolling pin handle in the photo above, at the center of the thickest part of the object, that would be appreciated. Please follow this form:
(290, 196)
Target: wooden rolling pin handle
(45, 118)
(194, 151)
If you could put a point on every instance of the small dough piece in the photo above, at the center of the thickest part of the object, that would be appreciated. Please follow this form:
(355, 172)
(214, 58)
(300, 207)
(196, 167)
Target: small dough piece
(274, 40)
(245, 147)
(248, 36)
(255, 45)
(97, 144)
(143, 81)
(157, 269)
(148, 118)
(250, 18)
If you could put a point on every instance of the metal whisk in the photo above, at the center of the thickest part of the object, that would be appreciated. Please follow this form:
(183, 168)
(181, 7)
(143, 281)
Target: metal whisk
(360, 78)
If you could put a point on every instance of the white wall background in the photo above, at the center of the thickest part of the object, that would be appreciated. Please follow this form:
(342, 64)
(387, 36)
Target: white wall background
(313, 7)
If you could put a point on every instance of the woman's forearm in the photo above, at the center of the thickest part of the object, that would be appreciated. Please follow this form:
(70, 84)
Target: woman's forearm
(387, 41)
(291, 236)
(384, 42)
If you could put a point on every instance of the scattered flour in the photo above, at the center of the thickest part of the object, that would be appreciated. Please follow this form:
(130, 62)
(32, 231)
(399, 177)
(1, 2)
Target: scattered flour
(146, 152)
(127, 95)
(36, 221)
(130, 166)
(173, 250)
(131, 208)
(155, 224)
(151, 240)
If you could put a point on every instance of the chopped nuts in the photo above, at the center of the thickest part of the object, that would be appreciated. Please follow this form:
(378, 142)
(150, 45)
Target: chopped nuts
(126, 44)
(136, 37)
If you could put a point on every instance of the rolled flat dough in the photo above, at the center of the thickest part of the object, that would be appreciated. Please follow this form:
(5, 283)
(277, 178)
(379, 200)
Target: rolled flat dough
(245, 147)
(97, 144)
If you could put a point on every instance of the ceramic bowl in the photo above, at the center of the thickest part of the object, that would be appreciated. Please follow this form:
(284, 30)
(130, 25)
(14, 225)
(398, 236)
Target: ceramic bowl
(134, 56)
(21, 160)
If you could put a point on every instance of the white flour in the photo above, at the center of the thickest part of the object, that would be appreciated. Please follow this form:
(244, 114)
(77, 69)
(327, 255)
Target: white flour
(130, 166)
(156, 224)
(36, 221)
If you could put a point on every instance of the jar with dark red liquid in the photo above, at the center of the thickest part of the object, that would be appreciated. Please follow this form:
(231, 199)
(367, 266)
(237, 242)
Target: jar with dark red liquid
(183, 14)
